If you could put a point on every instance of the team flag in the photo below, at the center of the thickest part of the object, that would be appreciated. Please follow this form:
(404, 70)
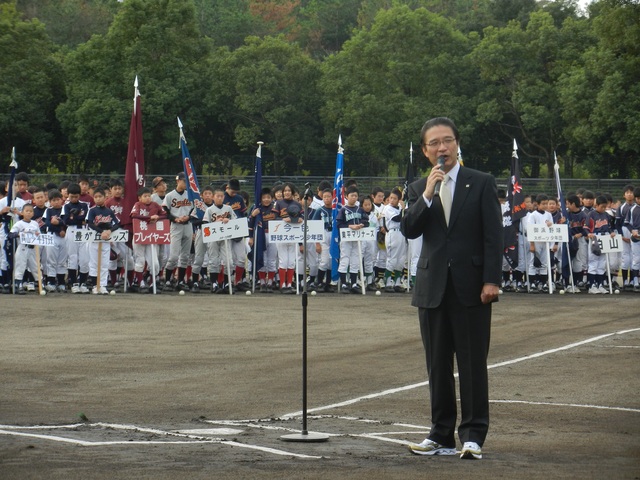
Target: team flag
(8, 245)
(513, 210)
(409, 177)
(259, 242)
(193, 190)
(336, 204)
(566, 268)
(460, 160)
(134, 170)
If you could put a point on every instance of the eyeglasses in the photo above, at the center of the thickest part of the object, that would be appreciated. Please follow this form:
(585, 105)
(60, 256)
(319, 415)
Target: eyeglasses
(447, 142)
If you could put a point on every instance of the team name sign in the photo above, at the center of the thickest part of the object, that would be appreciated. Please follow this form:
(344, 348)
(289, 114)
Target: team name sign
(609, 244)
(364, 234)
(284, 232)
(151, 233)
(40, 239)
(542, 233)
(91, 236)
(217, 231)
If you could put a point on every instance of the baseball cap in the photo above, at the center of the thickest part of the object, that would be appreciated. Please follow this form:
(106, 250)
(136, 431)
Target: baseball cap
(180, 176)
(157, 181)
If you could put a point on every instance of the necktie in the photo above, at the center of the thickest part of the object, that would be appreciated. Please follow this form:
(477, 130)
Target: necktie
(445, 197)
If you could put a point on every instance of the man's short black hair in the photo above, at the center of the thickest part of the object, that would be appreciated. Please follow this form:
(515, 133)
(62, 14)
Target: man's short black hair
(323, 185)
(628, 188)
(588, 194)
(142, 191)
(439, 121)
(601, 199)
(351, 189)
(54, 193)
(542, 198)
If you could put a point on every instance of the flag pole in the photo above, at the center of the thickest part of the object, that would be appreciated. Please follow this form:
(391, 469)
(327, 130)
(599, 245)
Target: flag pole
(406, 205)
(258, 202)
(565, 214)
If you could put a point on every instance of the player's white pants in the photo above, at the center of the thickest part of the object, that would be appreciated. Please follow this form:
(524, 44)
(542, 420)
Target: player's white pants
(287, 255)
(102, 250)
(77, 252)
(396, 250)
(635, 255)
(181, 238)
(312, 260)
(625, 260)
(369, 252)
(144, 254)
(25, 258)
(217, 253)
(349, 258)
(415, 247)
(324, 262)
(199, 252)
(597, 264)
(4, 264)
(239, 252)
(581, 260)
(542, 253)
(381, 256)
(522, 253)
(269, 256)
(124, 256)
(57, 257)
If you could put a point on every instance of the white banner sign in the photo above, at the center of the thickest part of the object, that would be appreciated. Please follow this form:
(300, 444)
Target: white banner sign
(31, 238)
(348, 235)
(284, 232)
(217, 231)
(610, 244)
(91, 236)
(542, 233)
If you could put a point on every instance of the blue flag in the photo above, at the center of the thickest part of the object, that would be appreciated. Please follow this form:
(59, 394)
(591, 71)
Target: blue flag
(336, 205)
(259, 241)
(193, 190)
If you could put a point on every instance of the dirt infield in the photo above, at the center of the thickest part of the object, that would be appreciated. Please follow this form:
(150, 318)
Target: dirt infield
(204, 386)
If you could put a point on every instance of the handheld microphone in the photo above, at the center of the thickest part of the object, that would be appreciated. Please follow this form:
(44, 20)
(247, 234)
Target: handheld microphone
(441, 161)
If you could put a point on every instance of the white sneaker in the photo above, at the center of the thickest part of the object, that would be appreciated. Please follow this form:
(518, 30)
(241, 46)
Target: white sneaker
(95, 291)
(104, 291)
(471, 450)
(49, 287)
(62, 289)
(429, 447)
(83, 288)
(602, 289)
(75, 288)
(30, 287)
(594, 290)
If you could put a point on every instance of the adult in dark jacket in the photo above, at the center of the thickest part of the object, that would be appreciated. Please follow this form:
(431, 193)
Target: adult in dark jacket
(458, 275)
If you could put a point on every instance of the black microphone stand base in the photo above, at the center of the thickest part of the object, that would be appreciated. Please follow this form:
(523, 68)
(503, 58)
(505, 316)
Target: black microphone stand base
(309, 437)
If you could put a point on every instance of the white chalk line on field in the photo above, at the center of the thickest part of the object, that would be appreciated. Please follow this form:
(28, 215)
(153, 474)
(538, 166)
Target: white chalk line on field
(392, 391)
(188, 438)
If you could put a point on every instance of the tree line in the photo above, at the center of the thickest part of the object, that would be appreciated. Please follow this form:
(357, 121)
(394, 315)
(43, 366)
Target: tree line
(297, 73)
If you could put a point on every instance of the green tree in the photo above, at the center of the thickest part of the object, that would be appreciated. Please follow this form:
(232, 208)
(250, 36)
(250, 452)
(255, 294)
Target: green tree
(71, 22)
(31, 85)
(159, 41)
(271, 88)
(387, 80)
(600, 95)
(520, 67)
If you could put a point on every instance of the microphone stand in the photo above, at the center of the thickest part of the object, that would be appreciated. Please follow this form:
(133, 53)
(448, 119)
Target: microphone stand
(304, 435)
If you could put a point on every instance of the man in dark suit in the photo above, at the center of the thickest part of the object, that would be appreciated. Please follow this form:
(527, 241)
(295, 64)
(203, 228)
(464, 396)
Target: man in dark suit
(456, 210)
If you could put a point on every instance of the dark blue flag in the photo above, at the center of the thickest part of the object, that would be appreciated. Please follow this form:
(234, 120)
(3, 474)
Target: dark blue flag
(336, 205)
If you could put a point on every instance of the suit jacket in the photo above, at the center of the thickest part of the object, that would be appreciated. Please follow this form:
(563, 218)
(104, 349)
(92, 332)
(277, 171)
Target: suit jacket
(469, 249)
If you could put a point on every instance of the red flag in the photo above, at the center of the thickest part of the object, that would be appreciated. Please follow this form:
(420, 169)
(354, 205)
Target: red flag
(134, 173)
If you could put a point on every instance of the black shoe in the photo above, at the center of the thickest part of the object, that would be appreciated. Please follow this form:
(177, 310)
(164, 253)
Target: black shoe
(134, 287)
(389, 289)
(195, 288)
(356, 288)
(399, 289)
(372, 287)
(328, 288)
(344, 289)
(181, 287)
